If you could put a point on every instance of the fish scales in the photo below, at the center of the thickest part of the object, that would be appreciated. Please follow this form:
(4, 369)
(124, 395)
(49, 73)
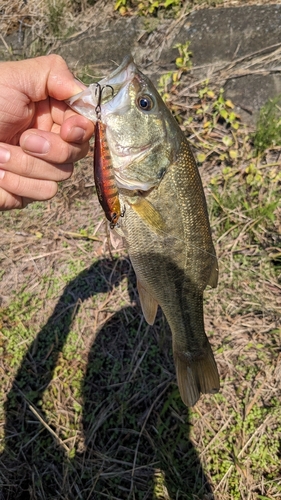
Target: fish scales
(148, 252)
(165, 223)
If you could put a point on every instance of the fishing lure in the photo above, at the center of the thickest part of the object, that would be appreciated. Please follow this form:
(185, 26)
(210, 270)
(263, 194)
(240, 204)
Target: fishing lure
(107, 190)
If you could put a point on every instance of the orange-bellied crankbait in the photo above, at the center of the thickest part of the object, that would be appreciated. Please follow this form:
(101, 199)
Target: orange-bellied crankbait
(104, 177)
(107, 191)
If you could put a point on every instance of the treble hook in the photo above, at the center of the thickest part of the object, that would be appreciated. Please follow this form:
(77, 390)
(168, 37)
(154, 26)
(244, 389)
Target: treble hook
(100, 89)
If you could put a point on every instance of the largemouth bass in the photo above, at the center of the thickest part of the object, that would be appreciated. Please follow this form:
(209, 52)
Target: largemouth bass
(165, 221)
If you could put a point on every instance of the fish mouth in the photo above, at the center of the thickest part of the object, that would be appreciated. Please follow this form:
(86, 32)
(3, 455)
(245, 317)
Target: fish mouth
(120, 75)
(115, 99)
(86, 102)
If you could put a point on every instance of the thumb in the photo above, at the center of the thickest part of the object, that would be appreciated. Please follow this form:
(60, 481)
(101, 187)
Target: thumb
(41, 77)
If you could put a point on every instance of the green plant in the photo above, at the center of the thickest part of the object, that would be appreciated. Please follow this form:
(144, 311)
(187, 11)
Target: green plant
(148, 7)
(55, 15)
(268, 131)
(122, 6)
(170, 80)
(183, 61)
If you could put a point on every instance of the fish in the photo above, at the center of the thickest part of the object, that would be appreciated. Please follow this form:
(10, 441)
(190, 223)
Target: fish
(165, 224)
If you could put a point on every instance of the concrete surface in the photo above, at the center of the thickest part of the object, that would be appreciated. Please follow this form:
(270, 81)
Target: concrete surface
(239, 47)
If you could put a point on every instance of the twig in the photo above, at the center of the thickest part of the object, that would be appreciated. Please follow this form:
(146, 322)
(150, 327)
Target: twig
(70, 234)
(5, 44)
(44, 255)
(141, 432)
(35, 412)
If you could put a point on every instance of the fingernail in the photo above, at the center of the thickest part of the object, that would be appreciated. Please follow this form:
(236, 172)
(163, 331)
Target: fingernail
(36, 144)
(75, 134)
(2, 173)
(80, 84)
(5, 155)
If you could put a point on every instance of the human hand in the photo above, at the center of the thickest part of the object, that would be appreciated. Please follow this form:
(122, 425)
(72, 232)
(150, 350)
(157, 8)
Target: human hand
(40, 136)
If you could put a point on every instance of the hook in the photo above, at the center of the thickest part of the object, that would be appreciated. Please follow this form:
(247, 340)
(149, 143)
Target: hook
(100, 89)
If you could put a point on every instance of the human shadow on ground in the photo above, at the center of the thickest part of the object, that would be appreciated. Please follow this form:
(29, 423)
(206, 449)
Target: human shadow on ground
(136, 431)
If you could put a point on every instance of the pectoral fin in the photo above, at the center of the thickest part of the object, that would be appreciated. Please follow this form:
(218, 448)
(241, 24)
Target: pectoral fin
(148, 304)
(148, 214)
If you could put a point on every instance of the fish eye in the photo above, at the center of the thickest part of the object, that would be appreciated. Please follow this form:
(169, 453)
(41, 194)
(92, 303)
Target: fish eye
(145, 102)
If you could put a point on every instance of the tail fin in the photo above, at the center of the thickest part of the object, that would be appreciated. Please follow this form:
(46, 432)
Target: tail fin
(197, 375)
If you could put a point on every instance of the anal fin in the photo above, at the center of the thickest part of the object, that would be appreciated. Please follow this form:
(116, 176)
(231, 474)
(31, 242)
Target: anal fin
(214, 276)
(197, 375)
(148, 304)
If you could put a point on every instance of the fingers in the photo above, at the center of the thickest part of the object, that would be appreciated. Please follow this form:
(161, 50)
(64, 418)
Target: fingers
(70, 146)
(31, 172)
(15, 161)
(58, 137)
(51, 112)
(51, 147)
(24, 178)
(40, 77)
(16, 191)
(9, 201)
(72, 127)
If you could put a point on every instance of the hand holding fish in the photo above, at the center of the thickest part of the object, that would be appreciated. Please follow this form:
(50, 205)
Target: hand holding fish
(40, 137)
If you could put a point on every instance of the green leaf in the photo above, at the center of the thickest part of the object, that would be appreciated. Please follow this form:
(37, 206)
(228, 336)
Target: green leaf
(232, 116)
(229, 103)
(227, 141)
(233, 154)
(224, 114)
(201, 157)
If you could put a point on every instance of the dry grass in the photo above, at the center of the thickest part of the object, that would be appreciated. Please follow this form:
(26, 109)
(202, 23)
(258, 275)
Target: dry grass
(41, 27)
(90, 407)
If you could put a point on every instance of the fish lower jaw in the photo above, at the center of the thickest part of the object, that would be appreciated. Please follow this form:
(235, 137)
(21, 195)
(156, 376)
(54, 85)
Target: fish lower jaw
(125, 183)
